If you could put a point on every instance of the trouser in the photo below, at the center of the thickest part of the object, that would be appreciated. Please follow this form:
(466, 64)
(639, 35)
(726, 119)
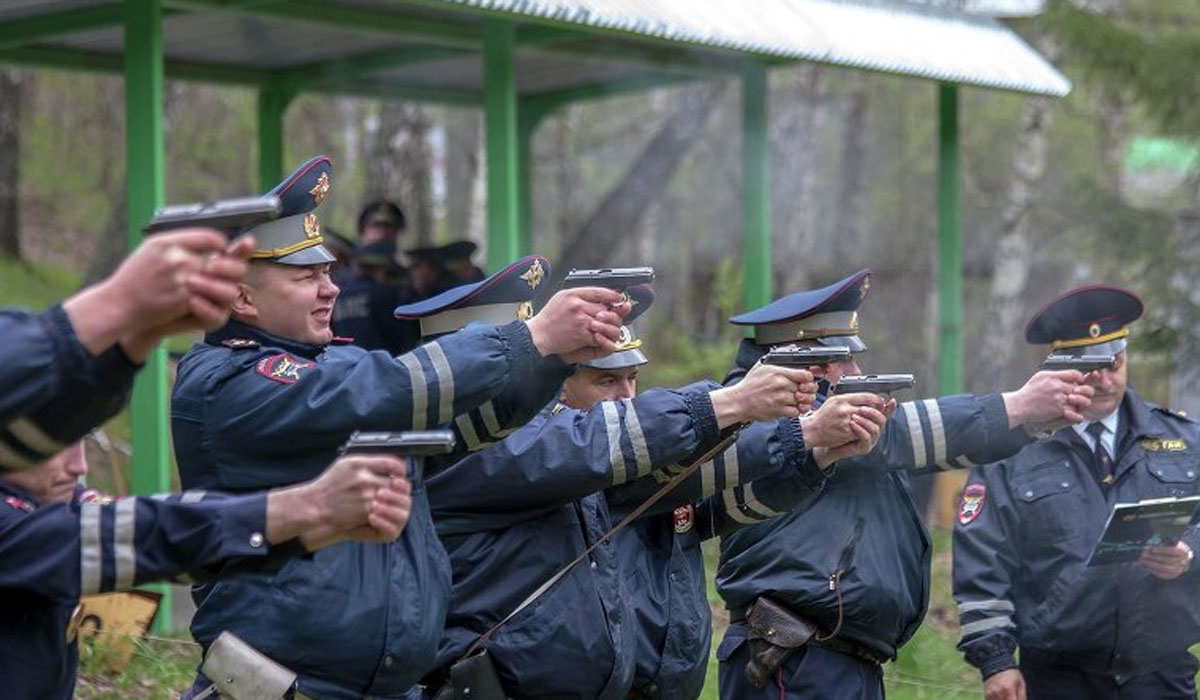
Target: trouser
(810, 673)
(1050, 678)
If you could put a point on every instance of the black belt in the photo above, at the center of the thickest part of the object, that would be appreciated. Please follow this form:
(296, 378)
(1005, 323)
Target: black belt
(842, 646)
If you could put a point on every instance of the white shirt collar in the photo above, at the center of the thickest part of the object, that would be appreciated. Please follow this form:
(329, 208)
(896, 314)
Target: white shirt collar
(1109, 436)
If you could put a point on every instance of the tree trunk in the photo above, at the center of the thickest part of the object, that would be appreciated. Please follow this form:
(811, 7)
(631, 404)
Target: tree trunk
(463, 141)
(1013, 258)
(619, 213)
(399, 169)
(848, 203)
(12, 90)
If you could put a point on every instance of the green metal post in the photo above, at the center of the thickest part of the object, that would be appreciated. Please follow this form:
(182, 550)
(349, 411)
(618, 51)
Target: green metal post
(500, 108)
(756, 189)
(144, 163)
(527, 124)
(950, 246)
(950, 283)
(272, 104)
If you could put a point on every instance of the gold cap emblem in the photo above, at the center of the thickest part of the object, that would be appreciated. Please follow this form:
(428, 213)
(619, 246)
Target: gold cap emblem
(321, 189)
(535, 274)
(525, 311)
(1094, 330)
(312, 227)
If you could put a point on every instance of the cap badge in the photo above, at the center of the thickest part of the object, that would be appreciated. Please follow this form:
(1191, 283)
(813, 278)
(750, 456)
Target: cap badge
(534, 275)
(1094, 330)
(321, 189)
(865, 287)
(854, 320)
(525, 311)
(312, 227)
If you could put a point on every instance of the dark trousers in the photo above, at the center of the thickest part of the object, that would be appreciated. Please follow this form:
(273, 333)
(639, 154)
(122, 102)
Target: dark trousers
(1047, 678)
(810, 673)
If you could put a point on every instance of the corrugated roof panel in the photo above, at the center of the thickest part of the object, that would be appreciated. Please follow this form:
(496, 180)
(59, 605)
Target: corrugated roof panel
(893, 37)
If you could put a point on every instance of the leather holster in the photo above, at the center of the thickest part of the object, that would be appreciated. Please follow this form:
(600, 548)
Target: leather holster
(473, 678)
(774, 633)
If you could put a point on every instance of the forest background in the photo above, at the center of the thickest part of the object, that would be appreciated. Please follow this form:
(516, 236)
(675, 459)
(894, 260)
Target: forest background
(1102, 186)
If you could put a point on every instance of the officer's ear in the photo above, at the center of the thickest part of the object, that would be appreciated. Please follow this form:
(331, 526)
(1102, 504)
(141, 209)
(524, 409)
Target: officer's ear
(243, 307)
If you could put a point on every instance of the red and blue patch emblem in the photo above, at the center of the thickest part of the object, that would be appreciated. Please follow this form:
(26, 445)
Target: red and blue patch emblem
(19, 504)
(684, 519)
(283, 368)
(971, 504)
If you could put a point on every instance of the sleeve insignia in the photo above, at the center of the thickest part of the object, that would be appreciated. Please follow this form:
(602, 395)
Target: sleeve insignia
(239, 343)
(284, 368)
(971, 505)
(19, 504)
(1164, 445)
(684, 517)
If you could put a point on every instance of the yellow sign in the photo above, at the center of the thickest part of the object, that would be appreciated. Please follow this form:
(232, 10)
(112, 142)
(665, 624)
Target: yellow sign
(112, 621)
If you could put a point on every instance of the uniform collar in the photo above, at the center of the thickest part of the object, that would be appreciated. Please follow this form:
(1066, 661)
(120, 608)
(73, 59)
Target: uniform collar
(1135, 422)
(9, 489)
(236, 330)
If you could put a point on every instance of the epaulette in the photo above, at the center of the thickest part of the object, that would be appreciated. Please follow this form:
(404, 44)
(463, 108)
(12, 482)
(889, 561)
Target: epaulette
(1174, 413)
(240, 343)
(558, 408)
(19, 504)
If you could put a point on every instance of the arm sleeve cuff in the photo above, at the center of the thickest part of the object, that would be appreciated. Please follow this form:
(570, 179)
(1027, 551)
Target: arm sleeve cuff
(996, 663)
(995, 416)
(792, 440)
(704, 418)
(522, 354)
(69, 352)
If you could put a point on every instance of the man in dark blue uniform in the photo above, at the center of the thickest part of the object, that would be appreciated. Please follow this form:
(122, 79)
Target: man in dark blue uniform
(363, 312)
(1026, 526)
(515, 513)
(822, 595)
(265, 400)
(659, 553)
(69, 369)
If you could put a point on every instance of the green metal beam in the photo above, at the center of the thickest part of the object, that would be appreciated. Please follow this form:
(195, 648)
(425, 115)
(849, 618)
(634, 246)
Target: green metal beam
(145, 171)
(355, 67)
(527, 124)
(756, 189)
(272, 105)
(357, 19)
(500, 105)
(35, 28)
(950, 245)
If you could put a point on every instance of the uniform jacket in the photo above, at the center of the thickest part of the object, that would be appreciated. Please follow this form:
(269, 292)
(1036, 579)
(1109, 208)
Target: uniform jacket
(1019, 562)
(863, 522)
(52, 554)
(363, 313)
(663, 566)
(52, 390)
(252, 411)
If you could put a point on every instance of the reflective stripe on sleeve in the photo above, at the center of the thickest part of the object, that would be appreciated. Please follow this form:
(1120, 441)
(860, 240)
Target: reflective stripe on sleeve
(758, 506)
(937, 430)
(89, 548)
(640, 450)
(445, 377)
(467, 428)
(420, 392)
(612, 427)
(994, 604)
(732, 509)
(124, 554)
(192, 496)
(984, 625)
(915, 432)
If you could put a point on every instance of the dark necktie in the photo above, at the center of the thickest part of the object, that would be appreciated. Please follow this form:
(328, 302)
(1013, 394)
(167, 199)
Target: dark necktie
(1101, 463)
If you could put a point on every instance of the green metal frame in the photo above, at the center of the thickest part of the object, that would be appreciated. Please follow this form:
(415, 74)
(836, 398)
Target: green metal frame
(145, 171)
(500, 107)
(511, 122)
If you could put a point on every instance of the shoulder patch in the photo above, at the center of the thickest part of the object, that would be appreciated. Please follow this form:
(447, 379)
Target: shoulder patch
(283, 368)
(971, 504)
(684, 518)
(239, 343)
(19, 504)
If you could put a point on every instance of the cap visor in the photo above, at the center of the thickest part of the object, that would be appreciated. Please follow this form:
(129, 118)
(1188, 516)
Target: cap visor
(618, 360)
(313, 255)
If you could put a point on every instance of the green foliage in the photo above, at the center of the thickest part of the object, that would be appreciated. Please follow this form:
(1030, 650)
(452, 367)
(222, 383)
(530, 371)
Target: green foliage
(34, 286)
(159, 669)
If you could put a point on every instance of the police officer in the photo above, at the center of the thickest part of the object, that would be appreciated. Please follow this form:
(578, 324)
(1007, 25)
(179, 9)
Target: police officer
(363, 312)
(266, 399)
(659, 553)
(59, 542)
(515, 513)
(1026, 526)
(70, 368)
(822, 595)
